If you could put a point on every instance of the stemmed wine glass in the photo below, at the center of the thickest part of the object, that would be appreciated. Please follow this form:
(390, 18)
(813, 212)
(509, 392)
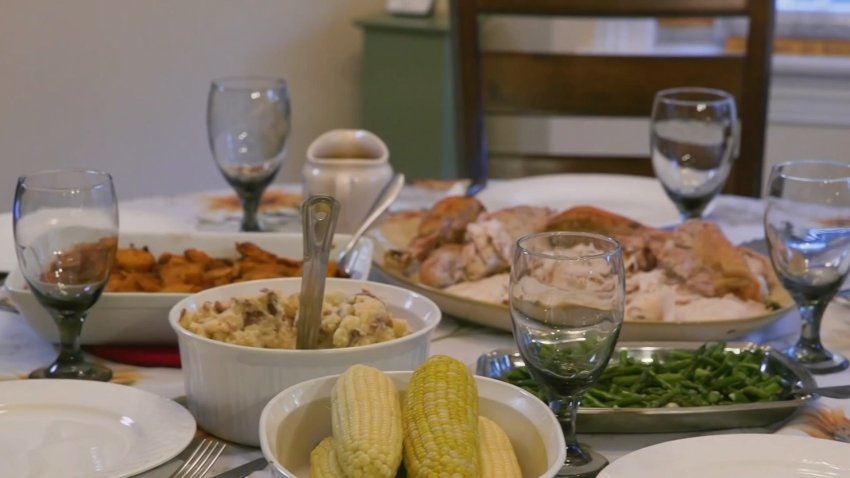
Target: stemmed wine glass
(694, 142)
(248, 125)
(808, 236)
(66, 234)
(567, 293)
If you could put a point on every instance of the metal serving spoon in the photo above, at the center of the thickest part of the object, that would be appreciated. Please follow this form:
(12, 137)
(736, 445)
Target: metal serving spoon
(384, 200)
(837, 391)
(319, 220)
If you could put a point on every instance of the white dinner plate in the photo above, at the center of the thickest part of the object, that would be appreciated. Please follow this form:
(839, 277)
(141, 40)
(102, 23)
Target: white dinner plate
(636, 197)
(77, 428)
(737, 455)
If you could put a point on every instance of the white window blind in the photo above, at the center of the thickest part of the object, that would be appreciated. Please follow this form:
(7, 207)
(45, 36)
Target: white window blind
(813, 5)
(813, 18)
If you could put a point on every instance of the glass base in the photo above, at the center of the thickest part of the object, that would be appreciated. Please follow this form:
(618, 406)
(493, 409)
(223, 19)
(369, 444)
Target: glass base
(818, 361)
(79, 371)
(582, 462)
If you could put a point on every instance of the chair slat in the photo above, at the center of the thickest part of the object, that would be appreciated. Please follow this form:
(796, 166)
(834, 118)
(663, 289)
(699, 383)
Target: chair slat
(617, 8)
(595, 85)
(507, 166)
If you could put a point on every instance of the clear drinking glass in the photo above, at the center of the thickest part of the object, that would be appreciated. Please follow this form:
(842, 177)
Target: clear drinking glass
(567, 294)
(248, 124)
(808, 236)
(694, 142)
(66, 234)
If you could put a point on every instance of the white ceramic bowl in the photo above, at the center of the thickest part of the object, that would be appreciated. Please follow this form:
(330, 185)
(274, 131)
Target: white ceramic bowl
(228, 385)
(142, 317)
(298, 418)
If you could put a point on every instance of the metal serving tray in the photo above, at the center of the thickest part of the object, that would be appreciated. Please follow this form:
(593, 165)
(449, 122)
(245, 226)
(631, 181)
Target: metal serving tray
(498, 363)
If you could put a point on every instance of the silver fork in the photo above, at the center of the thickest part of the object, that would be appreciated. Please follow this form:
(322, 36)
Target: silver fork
(201, 460)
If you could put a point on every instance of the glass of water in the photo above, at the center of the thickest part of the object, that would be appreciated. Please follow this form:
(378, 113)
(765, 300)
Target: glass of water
(808, 236)
(694, 142)
(567, 292)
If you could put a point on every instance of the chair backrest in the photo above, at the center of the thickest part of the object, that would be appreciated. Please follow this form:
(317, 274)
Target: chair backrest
(607, 85)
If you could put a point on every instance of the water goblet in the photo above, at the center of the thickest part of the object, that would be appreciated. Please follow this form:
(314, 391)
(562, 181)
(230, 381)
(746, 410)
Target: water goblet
(808, 237)
(694, 143)
(66, 234)
(248, 125)
(567, 293)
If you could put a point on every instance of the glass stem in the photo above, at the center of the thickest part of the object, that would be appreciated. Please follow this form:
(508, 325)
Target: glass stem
(566, 409)
(70, 326)
(685, 215)
(811, 314)
(250, 206)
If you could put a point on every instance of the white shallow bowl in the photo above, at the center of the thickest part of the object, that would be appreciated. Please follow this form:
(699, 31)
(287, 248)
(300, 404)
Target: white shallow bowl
(298, 418)
(228, 385)
(142, 317)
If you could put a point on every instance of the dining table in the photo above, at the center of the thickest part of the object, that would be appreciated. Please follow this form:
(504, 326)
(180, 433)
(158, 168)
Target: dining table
(22, 350)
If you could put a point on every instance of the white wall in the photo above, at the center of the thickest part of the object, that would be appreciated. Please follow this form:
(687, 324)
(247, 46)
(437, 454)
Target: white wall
(122, 85)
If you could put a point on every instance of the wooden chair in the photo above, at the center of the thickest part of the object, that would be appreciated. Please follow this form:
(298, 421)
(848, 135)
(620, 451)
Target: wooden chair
(575, 84)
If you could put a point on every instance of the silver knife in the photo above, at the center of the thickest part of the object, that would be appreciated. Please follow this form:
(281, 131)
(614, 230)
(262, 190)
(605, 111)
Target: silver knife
(242, 471)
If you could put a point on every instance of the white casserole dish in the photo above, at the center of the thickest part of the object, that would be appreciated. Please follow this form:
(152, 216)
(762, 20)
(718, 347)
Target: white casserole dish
(142, 317)
(228, 385)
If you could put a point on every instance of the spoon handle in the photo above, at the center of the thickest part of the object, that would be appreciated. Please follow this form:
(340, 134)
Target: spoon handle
(384, 200)
(838, 391)
(319, 220)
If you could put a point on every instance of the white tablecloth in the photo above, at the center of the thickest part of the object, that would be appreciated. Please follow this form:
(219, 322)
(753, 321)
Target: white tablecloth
(21, 350)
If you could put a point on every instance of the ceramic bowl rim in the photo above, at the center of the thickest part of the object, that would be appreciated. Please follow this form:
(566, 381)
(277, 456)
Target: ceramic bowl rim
(429, 322)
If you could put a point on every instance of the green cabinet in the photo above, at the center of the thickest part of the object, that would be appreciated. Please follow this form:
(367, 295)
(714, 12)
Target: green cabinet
(407, 92)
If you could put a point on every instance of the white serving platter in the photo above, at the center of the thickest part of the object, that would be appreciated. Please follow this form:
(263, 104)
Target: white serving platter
(142, 317)
(397, 234)
(637, 197)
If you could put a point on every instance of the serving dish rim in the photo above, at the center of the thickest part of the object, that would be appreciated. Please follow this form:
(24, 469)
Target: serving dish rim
(803, 377)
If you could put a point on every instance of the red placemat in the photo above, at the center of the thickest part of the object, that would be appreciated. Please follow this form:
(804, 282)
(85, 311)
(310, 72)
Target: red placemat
(141, 355)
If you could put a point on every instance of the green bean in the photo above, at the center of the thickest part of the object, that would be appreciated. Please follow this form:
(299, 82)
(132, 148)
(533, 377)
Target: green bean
(629, 400)
(677, 365)
(629, 369)
(679, 355)
(589, 401)
(671, 377)
(709, 375)
(626, 379)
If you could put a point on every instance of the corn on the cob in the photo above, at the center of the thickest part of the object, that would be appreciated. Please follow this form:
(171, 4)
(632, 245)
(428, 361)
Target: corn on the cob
(498, 459)
(366, 422)
(441, 421)
(323, 462)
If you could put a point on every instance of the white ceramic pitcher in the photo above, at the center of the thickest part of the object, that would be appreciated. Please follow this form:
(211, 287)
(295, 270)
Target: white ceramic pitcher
(351, 165)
